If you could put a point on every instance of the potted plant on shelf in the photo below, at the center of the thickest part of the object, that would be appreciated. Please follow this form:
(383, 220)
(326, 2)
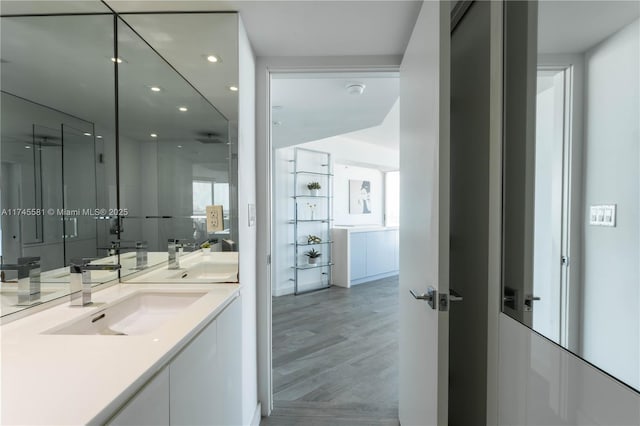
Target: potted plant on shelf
(206, 247)
(313, 256)
(314, 187)
(313, 239)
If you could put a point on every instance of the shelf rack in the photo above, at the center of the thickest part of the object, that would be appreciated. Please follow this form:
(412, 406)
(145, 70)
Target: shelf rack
(324, 223)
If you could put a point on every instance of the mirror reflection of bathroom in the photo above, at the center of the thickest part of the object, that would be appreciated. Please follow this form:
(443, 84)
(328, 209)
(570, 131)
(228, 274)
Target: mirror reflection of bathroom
(86, 177)
(58, 151)
(582, 291)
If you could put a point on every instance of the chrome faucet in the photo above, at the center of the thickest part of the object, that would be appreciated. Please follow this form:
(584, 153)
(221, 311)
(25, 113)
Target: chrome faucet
(141, 248)
(80, 291)
(173, 248)
(29, 287)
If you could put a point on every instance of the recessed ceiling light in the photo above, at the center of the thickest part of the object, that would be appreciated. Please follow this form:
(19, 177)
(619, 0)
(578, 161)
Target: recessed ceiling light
(153, 135)
(213, 59)
(183, 109)
(179, 146)
(233, 88)
(27, 146)
(87, 134)
(155, 88)
(118, 60)
(98, 136)
(355, 88)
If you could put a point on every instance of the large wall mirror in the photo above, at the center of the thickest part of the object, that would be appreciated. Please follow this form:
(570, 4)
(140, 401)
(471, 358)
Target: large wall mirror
(571, 250)
(116, 135)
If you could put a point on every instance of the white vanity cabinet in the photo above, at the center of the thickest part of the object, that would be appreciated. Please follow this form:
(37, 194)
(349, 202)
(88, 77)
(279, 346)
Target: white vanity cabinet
(201, 384)
(150, 406)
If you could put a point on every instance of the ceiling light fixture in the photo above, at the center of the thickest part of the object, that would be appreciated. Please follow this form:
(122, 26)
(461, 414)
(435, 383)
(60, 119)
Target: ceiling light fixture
(233, 88)
(87, 134)
(213, 59)
(355, 88)
(183, 109)
(27, 147)
(118, 60)
(153, 135)
(98, 136)
(179, 146)
(155, 89)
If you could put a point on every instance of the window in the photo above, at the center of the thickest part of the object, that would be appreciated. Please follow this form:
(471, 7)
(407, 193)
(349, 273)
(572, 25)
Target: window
(392, 198)
(202, 196)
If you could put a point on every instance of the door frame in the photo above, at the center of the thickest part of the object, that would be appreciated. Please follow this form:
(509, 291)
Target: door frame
(266, 68)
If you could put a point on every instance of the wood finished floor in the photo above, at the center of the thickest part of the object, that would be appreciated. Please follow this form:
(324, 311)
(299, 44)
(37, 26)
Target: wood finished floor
(335, 357)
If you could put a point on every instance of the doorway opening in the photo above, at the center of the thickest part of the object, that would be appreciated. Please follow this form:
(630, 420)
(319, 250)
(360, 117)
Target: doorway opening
(334, 257)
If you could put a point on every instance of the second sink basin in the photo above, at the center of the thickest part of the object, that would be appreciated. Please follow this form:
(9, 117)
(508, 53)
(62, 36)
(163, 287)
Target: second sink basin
(139, 314)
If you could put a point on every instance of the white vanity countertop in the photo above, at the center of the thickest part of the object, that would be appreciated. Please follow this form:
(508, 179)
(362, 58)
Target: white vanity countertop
(365, 228)
(50, 379)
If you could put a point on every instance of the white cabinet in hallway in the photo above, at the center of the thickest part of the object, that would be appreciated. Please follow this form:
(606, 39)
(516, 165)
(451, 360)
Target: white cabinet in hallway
(363, 254)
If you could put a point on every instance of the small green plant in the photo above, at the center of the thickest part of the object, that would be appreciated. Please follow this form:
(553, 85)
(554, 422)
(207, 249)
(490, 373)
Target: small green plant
(313, 185)
(312, 254)
(206, 244)
(313, 239)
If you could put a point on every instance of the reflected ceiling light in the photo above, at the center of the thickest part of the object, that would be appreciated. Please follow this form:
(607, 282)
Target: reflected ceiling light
(87, 134)
(98, 136)
(153, 135)
(213, 59)
(179, 146)
(118, 60)
(233, 88)
(183, 108)
(355, 88)
(155, 88)
(27, 146)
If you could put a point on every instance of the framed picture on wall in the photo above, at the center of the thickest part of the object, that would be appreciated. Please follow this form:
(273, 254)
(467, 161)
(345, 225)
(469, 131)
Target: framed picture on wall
(359, 196)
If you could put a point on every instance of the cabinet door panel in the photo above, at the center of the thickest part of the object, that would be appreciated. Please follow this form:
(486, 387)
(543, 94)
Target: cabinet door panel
(230, 364)
(195, 398)
(149, 407)
(380, 252)
(358, 253)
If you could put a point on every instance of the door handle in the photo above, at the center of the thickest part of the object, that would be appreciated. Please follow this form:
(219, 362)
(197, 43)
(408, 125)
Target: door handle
(528, 302)
(429, 296)
(454, 296)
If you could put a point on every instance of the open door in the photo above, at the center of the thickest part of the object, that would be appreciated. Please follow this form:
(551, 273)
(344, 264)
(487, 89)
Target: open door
(424, 214)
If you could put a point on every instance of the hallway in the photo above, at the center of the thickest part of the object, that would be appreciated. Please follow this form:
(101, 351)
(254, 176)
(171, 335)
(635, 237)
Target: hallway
(335, 356)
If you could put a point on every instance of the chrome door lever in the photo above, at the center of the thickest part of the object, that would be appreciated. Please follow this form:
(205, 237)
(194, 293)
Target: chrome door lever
(528, 302)
(429, 296)
(454, 296)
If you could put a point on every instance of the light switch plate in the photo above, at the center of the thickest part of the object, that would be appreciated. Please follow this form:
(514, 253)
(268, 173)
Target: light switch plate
(603, 215)
(252, 215)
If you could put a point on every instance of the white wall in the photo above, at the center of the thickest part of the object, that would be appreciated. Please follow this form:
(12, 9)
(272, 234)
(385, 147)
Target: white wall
(611, 309)
(247, 234)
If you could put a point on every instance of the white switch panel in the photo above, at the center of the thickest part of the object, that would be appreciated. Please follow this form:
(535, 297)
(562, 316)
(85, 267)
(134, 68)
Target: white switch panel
(603, 215)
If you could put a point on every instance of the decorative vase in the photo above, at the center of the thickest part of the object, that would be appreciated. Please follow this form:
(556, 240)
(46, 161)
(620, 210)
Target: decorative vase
(315, 192)
(313, 260)
(206, 249)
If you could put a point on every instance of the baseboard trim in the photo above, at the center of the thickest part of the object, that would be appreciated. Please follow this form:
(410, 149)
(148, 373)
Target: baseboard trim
(257, 415)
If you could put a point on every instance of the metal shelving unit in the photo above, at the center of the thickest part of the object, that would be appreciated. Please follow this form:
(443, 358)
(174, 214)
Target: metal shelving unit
(300, 179)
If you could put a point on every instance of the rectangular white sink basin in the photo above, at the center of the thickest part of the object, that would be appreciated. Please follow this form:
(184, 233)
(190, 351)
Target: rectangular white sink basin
(139, 314)
(201, 268)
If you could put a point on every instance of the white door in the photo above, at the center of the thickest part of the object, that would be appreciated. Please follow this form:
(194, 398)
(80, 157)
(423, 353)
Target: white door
(424, 215)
